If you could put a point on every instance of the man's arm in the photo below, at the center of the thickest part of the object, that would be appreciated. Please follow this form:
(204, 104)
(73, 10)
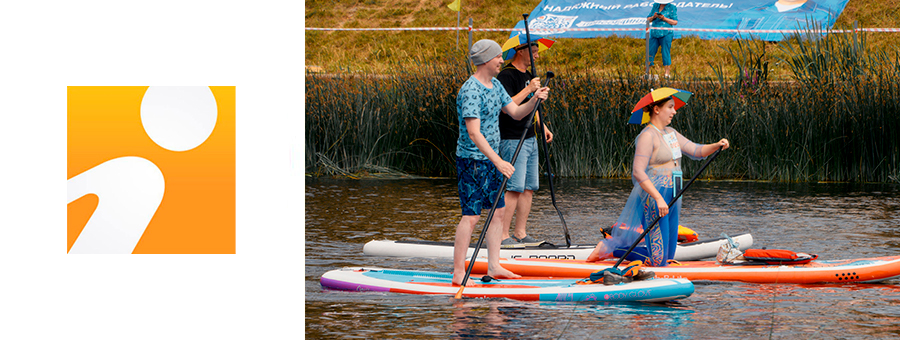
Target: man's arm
(533, 85)
(518, 112)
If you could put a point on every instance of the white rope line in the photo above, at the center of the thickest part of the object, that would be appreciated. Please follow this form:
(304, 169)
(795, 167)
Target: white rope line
(557, 30)
(879, 29)
(554, 31)
(741, 31)
(390, 29)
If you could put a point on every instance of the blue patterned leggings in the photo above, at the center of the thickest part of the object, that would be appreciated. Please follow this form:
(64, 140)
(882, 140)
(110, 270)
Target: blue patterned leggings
(663, 239)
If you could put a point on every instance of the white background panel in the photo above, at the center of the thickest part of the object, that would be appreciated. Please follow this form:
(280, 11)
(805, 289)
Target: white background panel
(257, 47)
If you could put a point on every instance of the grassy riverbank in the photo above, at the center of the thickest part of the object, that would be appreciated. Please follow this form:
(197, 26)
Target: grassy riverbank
(380, 52)
(817, 110)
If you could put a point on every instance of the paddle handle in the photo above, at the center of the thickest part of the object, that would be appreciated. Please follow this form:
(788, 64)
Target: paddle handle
(528, 41)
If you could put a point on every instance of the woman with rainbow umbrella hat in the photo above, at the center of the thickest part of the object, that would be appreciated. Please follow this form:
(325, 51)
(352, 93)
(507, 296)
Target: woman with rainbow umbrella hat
(656, 174)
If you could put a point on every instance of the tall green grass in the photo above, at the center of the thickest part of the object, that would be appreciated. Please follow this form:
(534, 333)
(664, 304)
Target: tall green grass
(403, 123)
(836, 121)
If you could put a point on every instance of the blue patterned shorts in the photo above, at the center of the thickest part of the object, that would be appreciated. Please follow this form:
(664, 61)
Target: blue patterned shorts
(479, 183)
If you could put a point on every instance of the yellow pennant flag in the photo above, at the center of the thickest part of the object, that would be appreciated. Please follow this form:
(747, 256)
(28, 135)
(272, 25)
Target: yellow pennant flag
(454, 5)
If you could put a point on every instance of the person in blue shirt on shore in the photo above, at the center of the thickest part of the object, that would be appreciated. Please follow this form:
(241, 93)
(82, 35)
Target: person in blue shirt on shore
(663, 14)
(478, 164)
(780, 15)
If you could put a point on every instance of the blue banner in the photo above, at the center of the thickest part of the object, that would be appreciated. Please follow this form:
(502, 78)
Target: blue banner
(576, 18)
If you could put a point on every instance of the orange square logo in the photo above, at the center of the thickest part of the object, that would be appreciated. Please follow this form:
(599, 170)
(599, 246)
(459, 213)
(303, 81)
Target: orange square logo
(151, 170)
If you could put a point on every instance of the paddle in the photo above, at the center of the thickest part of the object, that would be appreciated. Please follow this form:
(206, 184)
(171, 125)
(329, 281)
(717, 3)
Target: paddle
(544, 140)
(497, 199)
(647, 230)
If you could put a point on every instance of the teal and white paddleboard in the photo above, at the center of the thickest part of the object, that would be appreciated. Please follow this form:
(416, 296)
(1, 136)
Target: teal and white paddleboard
(526, 289)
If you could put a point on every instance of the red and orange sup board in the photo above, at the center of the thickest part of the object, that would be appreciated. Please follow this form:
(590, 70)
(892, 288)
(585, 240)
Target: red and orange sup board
(873, 269)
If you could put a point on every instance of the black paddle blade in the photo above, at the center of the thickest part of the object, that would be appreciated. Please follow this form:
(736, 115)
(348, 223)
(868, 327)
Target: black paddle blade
(547, 245)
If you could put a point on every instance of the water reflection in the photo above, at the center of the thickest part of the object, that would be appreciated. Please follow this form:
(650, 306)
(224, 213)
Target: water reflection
(507, 319)
(786, 309)
(485, 319)
(816, 218)
(834, 221)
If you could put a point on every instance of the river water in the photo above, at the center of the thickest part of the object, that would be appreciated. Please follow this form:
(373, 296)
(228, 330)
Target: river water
(833, 220)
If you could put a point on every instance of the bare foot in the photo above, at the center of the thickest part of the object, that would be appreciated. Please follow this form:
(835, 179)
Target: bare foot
(457, 279)
(502, 273)
(598, 255)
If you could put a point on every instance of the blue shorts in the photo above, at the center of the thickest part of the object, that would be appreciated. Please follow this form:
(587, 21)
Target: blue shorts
(479, 183)
(526, 175)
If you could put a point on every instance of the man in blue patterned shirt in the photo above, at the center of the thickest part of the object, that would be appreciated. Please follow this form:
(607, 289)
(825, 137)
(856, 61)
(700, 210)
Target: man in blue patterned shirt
(478, 164)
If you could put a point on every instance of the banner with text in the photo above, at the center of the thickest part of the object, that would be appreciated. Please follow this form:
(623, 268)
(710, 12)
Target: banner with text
(558, 18)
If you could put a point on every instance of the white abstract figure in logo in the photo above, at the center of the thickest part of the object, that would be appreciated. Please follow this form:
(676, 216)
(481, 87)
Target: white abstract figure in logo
(131, 188)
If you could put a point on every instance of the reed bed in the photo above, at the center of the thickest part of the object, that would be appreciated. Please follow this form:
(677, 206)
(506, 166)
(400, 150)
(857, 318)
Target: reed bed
(402, 123)
(837, 120)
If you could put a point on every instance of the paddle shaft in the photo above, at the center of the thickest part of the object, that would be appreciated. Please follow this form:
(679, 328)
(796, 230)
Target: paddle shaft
(550, 180)
(544, 141)
(647, 230)
(497, 199)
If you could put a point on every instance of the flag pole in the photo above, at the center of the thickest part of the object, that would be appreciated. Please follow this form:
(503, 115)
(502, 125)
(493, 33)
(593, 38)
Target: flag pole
(457, 8)
(457, 25)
